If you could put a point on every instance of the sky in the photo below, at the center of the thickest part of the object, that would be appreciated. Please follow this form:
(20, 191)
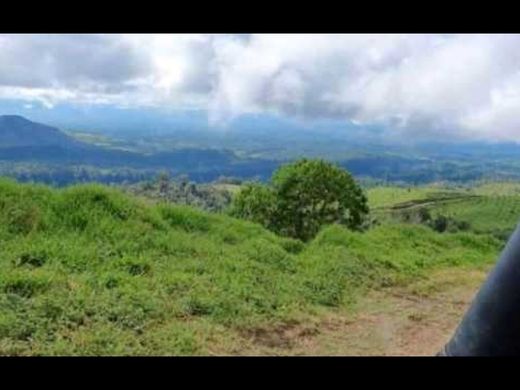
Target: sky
(440, 86)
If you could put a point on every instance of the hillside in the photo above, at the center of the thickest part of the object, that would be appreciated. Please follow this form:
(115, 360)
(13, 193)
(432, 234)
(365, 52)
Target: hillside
(16, 131)
(49, 150)
(88, 270)
(486, 208)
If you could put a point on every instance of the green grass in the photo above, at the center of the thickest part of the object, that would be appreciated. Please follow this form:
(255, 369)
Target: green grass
(498, 188)
(88, 270)
(389, 196)
(489, 208)
(487, 214)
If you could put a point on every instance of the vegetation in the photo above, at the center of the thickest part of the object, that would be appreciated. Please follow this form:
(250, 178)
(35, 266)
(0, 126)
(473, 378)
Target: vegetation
(211, 197)
(89, 270)
(497, 215)
(487, 208)
(302, 198)
(387, 196)
(60, 158)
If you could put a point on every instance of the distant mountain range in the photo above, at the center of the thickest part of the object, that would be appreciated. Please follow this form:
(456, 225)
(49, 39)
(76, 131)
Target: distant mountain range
(27, 146)
(24, 141)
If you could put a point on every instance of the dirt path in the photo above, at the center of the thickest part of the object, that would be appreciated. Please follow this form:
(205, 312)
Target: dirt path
(426, 202)
(416, 320)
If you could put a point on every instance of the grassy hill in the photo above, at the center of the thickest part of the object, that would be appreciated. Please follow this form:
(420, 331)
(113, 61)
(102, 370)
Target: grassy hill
(488, 208)
(88, 270)
(388, 196)
(486, 214)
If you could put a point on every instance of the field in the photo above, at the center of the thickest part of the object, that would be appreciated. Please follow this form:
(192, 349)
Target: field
(382, 197)
(485, 214)
(89, 270)
(498, 189)
(490, 208)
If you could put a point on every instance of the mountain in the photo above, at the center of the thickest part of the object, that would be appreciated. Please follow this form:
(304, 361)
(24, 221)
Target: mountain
(28, 147)
(24, 141)
(17, 131)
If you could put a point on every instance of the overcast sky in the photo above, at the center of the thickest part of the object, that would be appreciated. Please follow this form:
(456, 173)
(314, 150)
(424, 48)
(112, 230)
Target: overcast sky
(448, 85)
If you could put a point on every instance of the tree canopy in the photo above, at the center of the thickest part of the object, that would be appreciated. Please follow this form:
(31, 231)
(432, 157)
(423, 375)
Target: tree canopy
(301, 198)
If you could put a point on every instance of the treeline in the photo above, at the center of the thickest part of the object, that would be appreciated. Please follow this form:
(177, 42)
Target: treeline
(181, 190)
(202, 165)
(60, 176)
(57, 167)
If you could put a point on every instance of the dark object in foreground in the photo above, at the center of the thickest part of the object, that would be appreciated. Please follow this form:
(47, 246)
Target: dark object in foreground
(491, 326)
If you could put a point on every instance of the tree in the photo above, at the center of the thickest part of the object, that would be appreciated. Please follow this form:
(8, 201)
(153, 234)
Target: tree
(163, 180)
(256, 202)
(304, 196)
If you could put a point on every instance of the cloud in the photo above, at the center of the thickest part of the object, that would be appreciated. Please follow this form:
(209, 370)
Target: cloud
(422, 85)
(453, 86)
(98, 63)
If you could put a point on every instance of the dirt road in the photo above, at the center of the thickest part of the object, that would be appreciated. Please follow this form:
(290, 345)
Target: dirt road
(416, 320)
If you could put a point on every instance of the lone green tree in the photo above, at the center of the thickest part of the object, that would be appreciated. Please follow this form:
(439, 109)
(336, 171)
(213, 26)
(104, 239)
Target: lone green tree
(302, 197)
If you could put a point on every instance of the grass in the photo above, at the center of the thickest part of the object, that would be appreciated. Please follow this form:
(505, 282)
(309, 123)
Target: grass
(388, 196)
(486, 214)
(385, 197)
(489, 208)
(498, 188)
(88, 270)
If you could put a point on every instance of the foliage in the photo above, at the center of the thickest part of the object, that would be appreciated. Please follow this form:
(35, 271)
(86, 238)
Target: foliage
(257, 203)
(487, 208)
(94, 271)
(485, 214)
(303, 197)
(183, 191)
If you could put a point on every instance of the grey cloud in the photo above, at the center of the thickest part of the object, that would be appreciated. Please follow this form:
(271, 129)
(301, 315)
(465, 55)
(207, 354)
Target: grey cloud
(454, 85)
(84, 62)
(198, 77)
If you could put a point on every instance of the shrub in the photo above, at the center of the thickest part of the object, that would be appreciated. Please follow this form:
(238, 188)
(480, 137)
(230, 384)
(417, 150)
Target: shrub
(303, 197)
(256, 202)
(424, 215)
(440, 224)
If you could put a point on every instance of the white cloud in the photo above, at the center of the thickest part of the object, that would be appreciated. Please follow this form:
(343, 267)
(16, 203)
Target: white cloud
(420, 85)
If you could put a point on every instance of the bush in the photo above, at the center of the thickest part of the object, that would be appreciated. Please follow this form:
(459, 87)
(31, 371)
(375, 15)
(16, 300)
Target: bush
(424, 215)
(440, 224)
(303, 197)
(257, 203)
(446, 224)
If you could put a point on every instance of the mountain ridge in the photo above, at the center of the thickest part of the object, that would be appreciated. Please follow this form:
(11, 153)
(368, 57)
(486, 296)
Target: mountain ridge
(18, 131)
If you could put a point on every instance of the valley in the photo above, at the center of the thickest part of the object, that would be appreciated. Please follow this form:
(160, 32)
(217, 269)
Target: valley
(69, 157)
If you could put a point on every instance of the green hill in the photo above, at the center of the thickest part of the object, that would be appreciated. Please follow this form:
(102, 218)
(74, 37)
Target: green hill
(88, 270)
(497, 214)
(488, 208)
